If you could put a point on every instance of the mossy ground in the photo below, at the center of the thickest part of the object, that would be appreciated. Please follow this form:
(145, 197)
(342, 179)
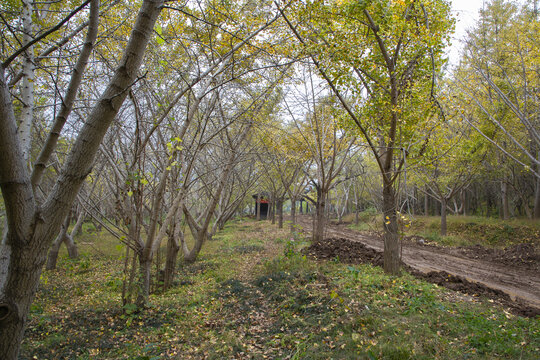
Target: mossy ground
(252, 295)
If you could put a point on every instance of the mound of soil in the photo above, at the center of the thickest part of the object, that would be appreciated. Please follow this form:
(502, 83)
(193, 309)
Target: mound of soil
(353, 252)
(350, 252)
(524, 256)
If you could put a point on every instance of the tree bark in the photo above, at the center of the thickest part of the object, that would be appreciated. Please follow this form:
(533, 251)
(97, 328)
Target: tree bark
(320, 219)
(391, 237)
(293, 215)
(145, 267)
(536, 213)
(173, 247)
(77, 228)
(443, 216)
(27, 91)
(463, 197)
(258, 207)
(279, 205)
(504, 196)
(426, 202)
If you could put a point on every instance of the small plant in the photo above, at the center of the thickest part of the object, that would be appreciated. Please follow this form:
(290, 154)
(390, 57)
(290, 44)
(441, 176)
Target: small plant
(289, 250)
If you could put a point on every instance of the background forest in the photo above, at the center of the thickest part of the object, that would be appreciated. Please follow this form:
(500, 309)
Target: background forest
(143, 135)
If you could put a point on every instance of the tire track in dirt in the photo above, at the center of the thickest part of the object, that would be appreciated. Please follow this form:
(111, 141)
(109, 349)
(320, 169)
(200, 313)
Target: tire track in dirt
(521, 285)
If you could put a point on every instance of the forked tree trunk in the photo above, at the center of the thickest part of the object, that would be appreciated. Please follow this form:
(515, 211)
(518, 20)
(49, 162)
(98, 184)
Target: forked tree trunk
(65, 238)
(391, 237)
(191, 255)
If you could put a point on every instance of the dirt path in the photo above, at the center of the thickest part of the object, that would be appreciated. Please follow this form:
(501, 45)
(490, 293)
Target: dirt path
(520, 284)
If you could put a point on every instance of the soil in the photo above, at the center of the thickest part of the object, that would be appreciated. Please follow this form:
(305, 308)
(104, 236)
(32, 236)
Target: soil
(510, 276)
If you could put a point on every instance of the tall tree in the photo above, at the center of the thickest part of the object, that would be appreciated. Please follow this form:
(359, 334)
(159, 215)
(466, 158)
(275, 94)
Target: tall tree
(32, 225)
(380, 59)
(497, 83)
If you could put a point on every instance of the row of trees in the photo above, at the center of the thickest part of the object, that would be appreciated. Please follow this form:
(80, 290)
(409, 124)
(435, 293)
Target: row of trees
(158, 121)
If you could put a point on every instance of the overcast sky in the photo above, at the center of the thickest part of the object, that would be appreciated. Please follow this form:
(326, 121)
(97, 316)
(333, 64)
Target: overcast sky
(466, 13)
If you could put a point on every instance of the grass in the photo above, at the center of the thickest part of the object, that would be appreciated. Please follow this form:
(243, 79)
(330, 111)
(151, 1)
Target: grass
(252, 294)
(462, 230)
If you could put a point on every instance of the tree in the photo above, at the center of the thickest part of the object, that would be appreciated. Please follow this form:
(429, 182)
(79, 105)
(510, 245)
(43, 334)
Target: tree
(379, 58)
(325, 146)
(497, 82)
(32, 225)
(451, 159)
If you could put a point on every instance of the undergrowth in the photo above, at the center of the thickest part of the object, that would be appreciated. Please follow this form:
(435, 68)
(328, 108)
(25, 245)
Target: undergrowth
(252, 294)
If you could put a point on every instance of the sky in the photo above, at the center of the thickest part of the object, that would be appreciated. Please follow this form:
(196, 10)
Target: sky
(466, 13)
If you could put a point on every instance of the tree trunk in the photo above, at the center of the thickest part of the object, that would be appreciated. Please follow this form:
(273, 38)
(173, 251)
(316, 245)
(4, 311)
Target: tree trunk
(504, 196)
(426, 202)
(77, 229)
(273, 211)
(172, 254)
(318, 231)
(537, 200)
(258, 207)
(279, 205)
(53, 252)
(391, 237)
(293, 215)
(191, 255)
(27, 91)
(463, 203)
(145, 267)
(443, 216)
(63, 237)
(25, 264)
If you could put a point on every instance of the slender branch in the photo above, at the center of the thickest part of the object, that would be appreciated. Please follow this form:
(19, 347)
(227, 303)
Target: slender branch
(10, 59)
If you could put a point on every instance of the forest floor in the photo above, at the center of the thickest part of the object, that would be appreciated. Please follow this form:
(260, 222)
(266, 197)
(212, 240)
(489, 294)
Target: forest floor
(510, 276)
(254, 293)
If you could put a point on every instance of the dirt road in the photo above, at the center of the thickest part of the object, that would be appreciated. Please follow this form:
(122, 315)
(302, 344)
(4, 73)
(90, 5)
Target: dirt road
(518, 282)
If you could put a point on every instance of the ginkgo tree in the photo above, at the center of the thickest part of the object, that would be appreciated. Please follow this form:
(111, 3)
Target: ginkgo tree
(496, 85)
(380, 58)
(451, 159)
